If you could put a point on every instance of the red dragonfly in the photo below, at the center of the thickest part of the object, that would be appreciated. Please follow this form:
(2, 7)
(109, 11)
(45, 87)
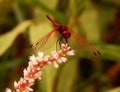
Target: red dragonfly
(65, 33)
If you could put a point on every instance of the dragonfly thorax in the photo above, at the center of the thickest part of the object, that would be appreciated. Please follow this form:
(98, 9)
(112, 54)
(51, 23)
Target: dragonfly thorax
(63, 30)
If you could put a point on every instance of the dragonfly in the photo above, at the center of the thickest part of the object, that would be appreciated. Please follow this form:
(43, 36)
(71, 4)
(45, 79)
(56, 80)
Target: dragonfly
(65, 33)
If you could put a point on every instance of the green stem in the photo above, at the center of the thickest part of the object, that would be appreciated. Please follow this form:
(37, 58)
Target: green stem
(18, 13)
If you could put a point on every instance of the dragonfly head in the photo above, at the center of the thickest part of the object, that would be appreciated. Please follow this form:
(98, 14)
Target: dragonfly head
(63, 30)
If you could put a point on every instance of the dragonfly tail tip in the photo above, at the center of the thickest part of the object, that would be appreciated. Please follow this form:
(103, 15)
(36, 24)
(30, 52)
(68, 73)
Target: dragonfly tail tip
(31, 46)
(96, 53)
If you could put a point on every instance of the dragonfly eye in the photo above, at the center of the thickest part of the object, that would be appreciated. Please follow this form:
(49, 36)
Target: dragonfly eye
(63, 28)
(67, 35)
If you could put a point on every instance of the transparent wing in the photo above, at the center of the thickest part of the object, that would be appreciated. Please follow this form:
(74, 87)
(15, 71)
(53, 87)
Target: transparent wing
(83, 43)
(42, 41)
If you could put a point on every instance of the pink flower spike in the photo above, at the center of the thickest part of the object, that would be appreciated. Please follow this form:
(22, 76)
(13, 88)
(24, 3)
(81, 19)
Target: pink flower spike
(15, 84)
(28, 89)
(8, 90)
(55, 64)
(33, 70)
(54, 55)
(71, 53)
(40, 54)
(32, 58)
(62, 59)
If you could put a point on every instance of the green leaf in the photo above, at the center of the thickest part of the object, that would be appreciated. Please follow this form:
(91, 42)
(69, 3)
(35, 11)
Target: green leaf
(67, 76)
(82, 5)
(11, 63)
(110, 52)
(7, 39)
(39, 30)
(46, 84)
(89, 20)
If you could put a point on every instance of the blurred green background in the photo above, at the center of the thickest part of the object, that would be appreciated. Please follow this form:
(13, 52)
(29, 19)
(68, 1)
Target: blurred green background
(22, 22)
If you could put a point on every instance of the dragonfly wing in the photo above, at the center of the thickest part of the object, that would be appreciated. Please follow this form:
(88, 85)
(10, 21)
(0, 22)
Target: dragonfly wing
(42, 41)
(84, 43)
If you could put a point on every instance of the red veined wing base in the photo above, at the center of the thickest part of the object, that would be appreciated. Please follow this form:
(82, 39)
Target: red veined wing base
(42, 41)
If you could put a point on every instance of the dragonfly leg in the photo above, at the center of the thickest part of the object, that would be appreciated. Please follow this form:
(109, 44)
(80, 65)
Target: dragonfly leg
(59, 41)
(62, 40)
(66, 41)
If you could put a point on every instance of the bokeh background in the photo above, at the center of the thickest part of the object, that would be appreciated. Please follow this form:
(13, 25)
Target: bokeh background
(22, 22)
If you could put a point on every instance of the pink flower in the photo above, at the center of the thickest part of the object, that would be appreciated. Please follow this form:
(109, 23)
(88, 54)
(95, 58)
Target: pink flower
(8, 90)
(33, 71)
